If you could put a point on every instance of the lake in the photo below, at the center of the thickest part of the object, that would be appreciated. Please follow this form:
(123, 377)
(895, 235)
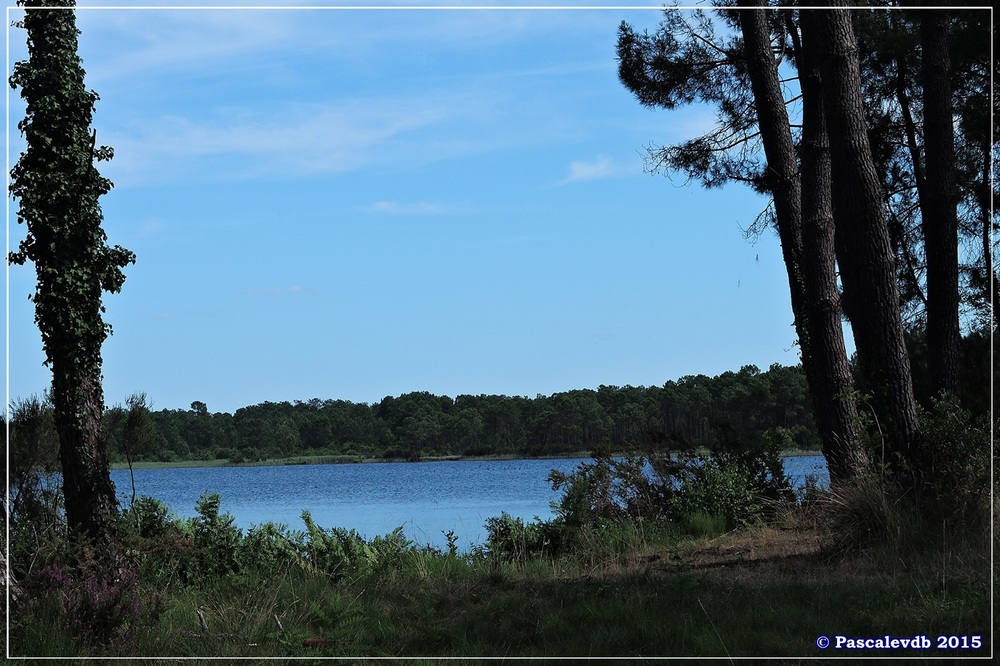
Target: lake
(425, 498)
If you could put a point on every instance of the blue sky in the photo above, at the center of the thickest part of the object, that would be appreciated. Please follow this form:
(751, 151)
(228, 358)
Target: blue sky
(354, 204)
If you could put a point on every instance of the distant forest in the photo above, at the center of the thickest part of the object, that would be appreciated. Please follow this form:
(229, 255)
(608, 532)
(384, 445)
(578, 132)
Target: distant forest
(734, 409)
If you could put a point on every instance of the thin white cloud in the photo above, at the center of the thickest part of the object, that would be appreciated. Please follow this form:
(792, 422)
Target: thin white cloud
(277, 291)
(417, 208)
(148, 42)
(152, 226)
(119, 45)
(291, 140)
(186, 60)
(596, 169)
(173, 315)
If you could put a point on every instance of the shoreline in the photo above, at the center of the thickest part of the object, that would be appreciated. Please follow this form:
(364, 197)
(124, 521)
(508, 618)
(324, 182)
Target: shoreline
(358, 460)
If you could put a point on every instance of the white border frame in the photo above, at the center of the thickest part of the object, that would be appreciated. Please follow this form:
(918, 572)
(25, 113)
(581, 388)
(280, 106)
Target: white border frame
(654, 8)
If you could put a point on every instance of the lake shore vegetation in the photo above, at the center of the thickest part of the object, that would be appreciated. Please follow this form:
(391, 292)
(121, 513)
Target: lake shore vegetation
(656, 549)
(353, 460)
(647, 555)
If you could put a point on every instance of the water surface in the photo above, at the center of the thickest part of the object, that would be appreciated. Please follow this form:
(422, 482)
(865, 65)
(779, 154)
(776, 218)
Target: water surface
(427, 499)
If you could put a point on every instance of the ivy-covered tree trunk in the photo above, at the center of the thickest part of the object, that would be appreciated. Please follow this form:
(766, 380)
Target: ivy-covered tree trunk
(58, 186)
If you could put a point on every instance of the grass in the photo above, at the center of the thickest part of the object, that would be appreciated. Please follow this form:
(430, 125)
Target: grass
(851, 562)
(291, 460)
(347, 459)
(765, 592)
(153, 464)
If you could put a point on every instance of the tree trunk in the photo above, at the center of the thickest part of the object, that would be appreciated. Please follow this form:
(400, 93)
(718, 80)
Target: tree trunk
(991, 284)
(983, 192)
(938, 206)
(89, 494)
(58, 187)
(833, 391)
(808, 251)
(864, 253)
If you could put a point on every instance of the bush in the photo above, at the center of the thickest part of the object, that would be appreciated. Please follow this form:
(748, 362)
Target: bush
(869, 511)
(210, 547)
(726, 492)
(510, 539)
(167, 455)
(96, 600)
(741, 486)
(389, 552)
(216, 539)
(952, 498)
(615, 488)
(338, 552)
(270, 548)
(959, 449)
(38, 534)
(148, 518)
(702, 524)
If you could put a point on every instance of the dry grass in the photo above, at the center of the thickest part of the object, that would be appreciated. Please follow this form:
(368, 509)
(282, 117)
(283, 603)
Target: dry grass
(754, 549)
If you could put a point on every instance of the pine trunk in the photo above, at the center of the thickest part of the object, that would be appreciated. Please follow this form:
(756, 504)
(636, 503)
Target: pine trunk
(833, 391)
(938, 206)
(864, 254)
(806, 232)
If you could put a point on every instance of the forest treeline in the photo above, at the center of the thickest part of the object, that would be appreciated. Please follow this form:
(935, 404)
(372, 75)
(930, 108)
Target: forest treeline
(743, 406)
(741, 409)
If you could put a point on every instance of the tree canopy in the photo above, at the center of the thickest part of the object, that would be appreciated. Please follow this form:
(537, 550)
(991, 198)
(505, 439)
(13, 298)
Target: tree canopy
(738, 409)
(864, 129)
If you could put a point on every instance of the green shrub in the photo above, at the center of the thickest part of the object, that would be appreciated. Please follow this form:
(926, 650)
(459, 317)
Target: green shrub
(339, 552)
(869, 510)
(390, 551)
(510, 539)
(167, 455)
(38, 534)
(740, 485)
(615, 488)
(148, 517)
(269, 548)
(959, 449)
(216, 539)
(951, 501)
(335, 551)
(724, 491)
(92, 594)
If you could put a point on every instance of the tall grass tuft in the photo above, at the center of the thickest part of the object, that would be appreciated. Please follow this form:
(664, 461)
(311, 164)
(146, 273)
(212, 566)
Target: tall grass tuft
(950, 506)
(867, 511)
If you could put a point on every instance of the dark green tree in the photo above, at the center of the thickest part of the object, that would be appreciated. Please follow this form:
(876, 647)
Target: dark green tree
(927, 158)
(130, 430)
(892, 170)
(58, 186)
